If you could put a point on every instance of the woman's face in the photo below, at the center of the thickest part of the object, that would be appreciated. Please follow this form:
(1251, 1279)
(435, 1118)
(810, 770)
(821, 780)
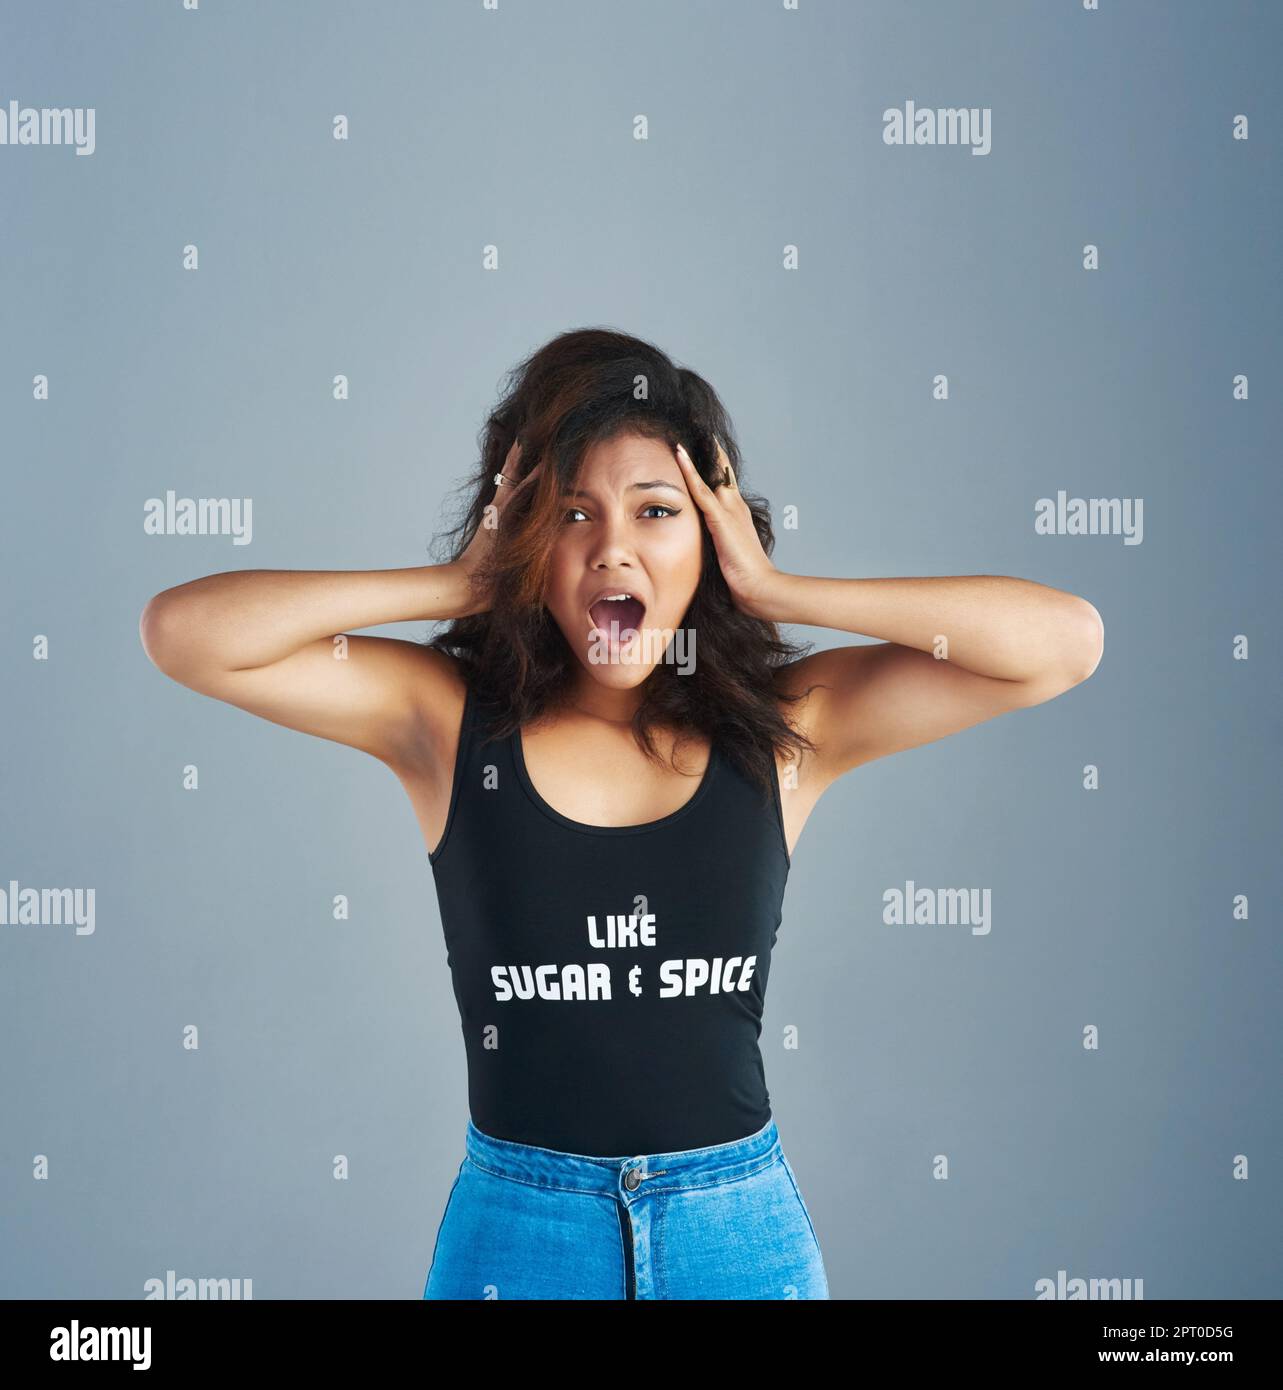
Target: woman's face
(633, 529)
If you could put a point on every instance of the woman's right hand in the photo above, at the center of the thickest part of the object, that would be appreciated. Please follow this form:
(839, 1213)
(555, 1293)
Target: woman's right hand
(481, 547)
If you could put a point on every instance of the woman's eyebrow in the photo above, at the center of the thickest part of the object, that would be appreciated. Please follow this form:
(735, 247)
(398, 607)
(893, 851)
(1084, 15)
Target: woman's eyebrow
(655, 482)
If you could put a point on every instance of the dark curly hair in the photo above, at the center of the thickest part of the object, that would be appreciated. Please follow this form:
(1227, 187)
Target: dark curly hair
(586, 387)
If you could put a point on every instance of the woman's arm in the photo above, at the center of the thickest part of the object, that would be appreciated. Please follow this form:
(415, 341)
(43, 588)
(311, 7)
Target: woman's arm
(1010, 629)
(954, 651)
(274, 643)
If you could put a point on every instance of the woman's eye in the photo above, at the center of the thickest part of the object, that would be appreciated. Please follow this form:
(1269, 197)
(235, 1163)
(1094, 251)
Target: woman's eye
(651, 507)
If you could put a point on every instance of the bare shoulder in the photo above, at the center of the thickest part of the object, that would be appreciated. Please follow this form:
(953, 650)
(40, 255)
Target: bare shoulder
(802, 685)
(439, 692)
(425, 767)
(844, 701)
(801, 689)
(804, 774)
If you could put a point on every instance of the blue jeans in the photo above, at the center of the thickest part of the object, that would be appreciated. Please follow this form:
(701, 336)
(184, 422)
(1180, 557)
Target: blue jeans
(722, 1222)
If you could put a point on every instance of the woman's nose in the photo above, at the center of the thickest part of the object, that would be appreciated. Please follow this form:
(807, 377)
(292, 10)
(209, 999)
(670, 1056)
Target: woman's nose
(612, 544)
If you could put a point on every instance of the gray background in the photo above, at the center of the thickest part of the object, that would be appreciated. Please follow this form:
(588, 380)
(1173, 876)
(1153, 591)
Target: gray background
(469, 127)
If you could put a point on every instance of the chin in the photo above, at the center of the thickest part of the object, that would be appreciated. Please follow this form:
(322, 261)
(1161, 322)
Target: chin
(617, 675)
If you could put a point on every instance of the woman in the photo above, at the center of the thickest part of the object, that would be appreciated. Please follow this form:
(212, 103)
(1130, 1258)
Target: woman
(612, 754)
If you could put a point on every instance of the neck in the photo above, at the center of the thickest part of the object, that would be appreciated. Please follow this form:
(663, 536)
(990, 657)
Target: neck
(598, 701)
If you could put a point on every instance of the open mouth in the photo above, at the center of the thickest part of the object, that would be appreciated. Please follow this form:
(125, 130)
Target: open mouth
(619, 618)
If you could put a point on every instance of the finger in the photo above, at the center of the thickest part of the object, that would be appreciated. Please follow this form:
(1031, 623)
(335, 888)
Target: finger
(506, 492)
(534, 473)
(699, 489)
(511, 467)
(724, 465)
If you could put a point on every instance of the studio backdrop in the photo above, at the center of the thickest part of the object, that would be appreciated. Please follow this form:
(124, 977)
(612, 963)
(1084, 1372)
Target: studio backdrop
(988, 288)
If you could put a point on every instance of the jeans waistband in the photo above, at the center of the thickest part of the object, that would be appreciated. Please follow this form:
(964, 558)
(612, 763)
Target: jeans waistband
(628, 1178)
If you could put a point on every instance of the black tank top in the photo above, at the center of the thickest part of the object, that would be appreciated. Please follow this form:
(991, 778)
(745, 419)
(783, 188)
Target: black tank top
(610, 979)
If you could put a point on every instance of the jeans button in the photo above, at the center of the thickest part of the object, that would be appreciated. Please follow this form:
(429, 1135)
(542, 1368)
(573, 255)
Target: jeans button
(632, 1180)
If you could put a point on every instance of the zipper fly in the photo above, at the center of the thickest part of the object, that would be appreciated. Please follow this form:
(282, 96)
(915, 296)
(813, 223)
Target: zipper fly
(626, 1236)
(632, 1181)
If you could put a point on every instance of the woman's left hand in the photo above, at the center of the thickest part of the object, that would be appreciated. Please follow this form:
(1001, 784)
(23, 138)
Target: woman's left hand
(745, 566)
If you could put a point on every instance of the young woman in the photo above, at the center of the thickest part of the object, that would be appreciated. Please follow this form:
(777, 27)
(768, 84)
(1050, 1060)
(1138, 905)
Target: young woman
(612, 754)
